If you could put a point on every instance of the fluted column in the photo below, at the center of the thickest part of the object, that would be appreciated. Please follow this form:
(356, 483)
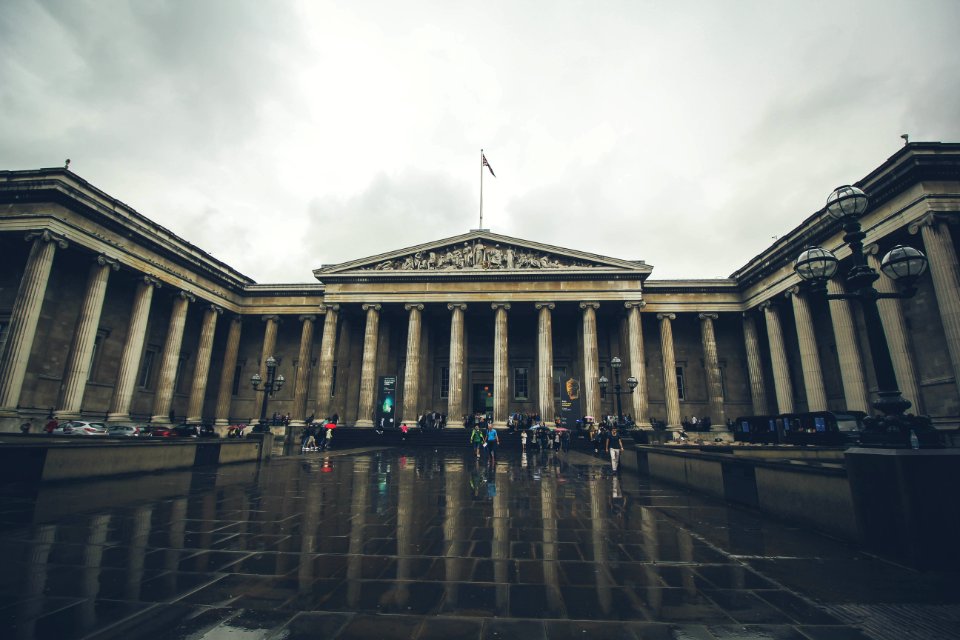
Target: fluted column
(638, 366)
(84, 338)
(501, 365)
(304, 356)
(201, 373)
(718, 416)
(368, 370)
(591, 359)
(271, 324)
(809, 355)
(778, 359)
(671, 394)
(225, 392)
(545, 360)
(758, 389)
(946, 281)
(898, 337)
(456, 373)
(132, 351)
(163, 401)
(23, 320)
(848, 350)
(328, 350)
(411, 375)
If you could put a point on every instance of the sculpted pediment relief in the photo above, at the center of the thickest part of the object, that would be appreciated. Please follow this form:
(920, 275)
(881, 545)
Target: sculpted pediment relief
(480, 252)
(477, 255)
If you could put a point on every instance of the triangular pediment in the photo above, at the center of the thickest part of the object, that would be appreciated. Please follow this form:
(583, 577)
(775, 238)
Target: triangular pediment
(481, 252)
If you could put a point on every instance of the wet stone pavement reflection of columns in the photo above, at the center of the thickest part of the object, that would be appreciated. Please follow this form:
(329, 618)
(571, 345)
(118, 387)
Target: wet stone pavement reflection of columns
(420, 543)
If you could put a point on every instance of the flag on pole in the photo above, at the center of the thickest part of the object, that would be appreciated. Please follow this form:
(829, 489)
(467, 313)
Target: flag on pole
(487, 165)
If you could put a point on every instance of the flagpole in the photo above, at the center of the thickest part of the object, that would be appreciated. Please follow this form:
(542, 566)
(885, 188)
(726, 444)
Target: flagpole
(481, 188)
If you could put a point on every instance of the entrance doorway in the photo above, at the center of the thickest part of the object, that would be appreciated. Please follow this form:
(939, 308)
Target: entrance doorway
(483, 398)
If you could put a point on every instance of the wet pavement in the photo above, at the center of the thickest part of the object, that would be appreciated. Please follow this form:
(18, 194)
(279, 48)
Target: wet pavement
(387, 543)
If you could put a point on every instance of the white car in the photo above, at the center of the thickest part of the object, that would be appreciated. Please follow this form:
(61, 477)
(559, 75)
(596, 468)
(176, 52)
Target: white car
(82, 428)
(125, 431)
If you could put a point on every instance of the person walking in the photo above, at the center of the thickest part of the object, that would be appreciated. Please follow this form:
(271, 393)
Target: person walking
(614, 448)
(493, 440)
(476, 439)
(523, 441)
(403, 431)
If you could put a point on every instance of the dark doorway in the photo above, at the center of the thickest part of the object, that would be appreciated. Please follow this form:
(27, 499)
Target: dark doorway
(483, 397)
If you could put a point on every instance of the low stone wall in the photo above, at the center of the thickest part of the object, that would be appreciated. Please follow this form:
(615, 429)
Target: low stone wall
(810, 493)
(34, 459)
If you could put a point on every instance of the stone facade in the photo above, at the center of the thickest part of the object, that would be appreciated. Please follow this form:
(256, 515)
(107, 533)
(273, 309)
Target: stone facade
(104, 313)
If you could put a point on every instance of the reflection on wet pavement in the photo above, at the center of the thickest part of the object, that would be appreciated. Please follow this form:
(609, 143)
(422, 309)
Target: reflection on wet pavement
(433, 544)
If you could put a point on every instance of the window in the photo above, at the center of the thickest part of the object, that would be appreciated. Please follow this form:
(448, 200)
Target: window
(178, 377)
(444, 382)
(681, 391)
(95, 353)
(520, 376)
(145, 381)
(237, 372)
(4, 331)
(559, 379)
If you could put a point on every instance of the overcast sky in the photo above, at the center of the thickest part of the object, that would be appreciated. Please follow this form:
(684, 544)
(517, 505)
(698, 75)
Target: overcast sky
(279, 136)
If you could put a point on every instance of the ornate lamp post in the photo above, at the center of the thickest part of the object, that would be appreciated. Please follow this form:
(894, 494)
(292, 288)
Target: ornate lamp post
(273, 383)
(615, 364)
(816, 265)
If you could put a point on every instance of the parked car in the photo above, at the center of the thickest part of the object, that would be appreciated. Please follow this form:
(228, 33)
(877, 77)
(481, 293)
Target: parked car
(83, 428)
(62, 429)
(159, 432)
(125, 430)
(196, 431)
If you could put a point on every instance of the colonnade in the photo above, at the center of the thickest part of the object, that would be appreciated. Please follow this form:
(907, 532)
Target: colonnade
(26, 311)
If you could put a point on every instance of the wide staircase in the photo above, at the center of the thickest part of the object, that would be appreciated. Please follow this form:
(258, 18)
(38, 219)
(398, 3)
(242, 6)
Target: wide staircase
(365, 437)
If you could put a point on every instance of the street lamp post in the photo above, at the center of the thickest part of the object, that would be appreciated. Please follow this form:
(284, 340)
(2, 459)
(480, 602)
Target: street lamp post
(615, 364)
(272, 384)
(816, 265)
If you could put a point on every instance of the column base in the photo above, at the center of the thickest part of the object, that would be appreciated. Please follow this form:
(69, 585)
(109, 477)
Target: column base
(194, 421)
(66, 416)
(298, 423)
(160, 420)
(500, 425)
(221, 422)
(118, 417)
(365, 424)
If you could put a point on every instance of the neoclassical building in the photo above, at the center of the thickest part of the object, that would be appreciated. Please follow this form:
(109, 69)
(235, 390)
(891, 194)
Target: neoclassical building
(105, 314)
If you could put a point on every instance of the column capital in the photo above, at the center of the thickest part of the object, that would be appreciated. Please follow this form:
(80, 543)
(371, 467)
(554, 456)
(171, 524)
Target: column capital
(186, 295)
(329, 307)
(792, 291)
(366, 306)
(639, 304)
(107, 261)
(410, 306)
(545, 305)
(500, 305)
(217, 309)
(871, 249)
(929, 219)
(150, 281)
(767, 305)
(237, 319)
(269, 317)
(462, 306)
(307, 317)
(590, 305)
(47, 236)
(666, 316)
(708, 316)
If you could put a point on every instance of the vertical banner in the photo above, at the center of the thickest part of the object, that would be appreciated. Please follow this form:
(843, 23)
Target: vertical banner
(387, 402)
(569, 402)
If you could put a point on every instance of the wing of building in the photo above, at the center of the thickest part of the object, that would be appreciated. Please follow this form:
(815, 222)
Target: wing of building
(105, 314)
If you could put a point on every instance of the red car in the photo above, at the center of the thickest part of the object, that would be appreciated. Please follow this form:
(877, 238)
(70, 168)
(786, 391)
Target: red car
(160, 432)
